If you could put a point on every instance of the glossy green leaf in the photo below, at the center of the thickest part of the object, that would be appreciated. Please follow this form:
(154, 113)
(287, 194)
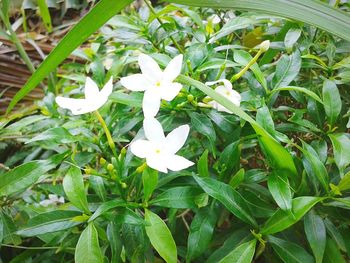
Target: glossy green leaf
(88, 249)
(291, 38)
(335, 234)
(25, 175)
(160, 237)
(315, 231)
(290, 252)
(203, 125)
(314, 166)
(202, 165)
(287, 69)
(280, 189)
(332, 253)
(237, 179)
(177, 197)
(281, 220)
(278, 156)
(49, 222)
(113, 235)
(106, 206)
(150, 181)
(331, 100)
(242, 254)
(201, 231)
(73, 186)
(229, 197)
(92, 21)
(57, 135)
(9, 230)
(311, 12)
(344, 183)
(299, 89)
(341, 146)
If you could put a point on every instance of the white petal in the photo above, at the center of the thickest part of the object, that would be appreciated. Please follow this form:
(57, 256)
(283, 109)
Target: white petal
(91, 89)
(153, 130)
(136, 82)
(151, 103)
(177, 163)
(173, 69)
(157, 163)
(140, 148)
(176, 138)
(226, 83)
(107, 89)
(77, 106)
(169, 92)
(235, 97)
(150, 68)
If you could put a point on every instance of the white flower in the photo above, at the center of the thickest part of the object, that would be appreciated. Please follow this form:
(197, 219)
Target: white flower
(227, 91)
(160, 151)
(53, 200)
(94, 98)
(156, 83)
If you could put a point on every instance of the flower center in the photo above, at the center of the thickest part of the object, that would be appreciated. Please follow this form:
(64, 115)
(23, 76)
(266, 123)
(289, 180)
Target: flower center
(227, 93)
(158, 84)
(157, 151)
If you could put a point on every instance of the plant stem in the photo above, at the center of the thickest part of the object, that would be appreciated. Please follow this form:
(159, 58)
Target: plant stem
(160, 22)
(15, 40)
(107, 132)
(244, 70)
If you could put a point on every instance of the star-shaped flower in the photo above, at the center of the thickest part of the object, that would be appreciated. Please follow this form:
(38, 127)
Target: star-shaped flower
(160, 151)
(94, 98)
(156, 83)
(227, 91)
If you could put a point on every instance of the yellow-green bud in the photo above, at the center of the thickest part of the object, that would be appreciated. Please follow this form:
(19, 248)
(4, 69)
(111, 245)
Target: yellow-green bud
(123, 185)
(110, 167)
(190, 98)
(102, 161)
(265, 45)
(88, 170)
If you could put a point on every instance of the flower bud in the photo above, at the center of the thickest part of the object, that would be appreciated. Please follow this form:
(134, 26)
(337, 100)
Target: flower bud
(190, 98)
(102, 161)
(110, 167)
(265, 45)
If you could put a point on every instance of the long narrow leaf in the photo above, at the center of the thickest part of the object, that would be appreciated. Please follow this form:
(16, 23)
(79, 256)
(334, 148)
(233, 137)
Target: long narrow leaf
(99, 15)
(313, 12)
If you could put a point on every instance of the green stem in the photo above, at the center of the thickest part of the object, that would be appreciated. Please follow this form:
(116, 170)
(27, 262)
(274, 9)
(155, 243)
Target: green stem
(160, 22)
(107, 132)
(15, 40)
(244, 70)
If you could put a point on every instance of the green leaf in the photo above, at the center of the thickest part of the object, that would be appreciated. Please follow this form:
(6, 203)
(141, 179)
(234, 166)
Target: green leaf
(335, 234)
(290, 252)
(203, 125)
(49, 222)
(201, 231)
(150, 181)
(299, 89)
(229, 197)
(341, 146)
(332, 253)
(291, 38)
(113, 235)
(313, 12)
(25, 175)
(344, 183)
(281, 220)
(177, 197)
(106, 206)
(133, 99)
(73, 186)
(88, 248)
(277, 155)
(202, 165)
(315, 231)
(9, 230)
(100, 14)
(331, 100)
(287, 69)
(314, 166)
(237, 179)
(45, 14)
(160, 237)
(56, 135)
(242, 254)
(280, 190)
